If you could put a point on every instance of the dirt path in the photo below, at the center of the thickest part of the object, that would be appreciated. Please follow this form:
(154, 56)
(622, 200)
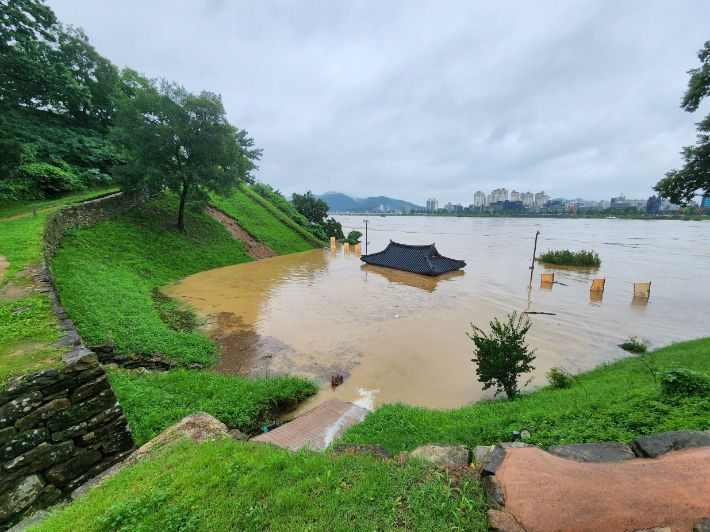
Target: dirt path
(4, 265)
(256, 250)
(27, 214)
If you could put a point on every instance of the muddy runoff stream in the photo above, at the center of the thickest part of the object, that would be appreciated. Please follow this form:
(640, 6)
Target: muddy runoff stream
(397, 336)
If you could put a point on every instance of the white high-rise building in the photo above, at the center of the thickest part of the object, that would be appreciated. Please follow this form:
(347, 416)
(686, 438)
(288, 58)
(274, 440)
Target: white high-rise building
(514, 196)
(432, 205)
(527, 198)
(541, 199)
(499, 194)
(479, 199)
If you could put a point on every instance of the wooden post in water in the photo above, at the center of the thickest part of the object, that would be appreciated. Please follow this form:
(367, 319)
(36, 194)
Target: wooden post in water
(357, 250)
(332, 241)
(533, 262)
(346, 248)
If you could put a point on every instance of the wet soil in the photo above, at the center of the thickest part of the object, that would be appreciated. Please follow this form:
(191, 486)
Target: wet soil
(256, 250)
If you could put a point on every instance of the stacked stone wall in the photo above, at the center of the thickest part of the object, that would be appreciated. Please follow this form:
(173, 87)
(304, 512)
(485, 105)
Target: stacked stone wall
(83, 215)
(58, 429)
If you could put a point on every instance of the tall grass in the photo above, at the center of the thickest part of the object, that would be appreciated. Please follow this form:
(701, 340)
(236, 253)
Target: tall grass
(156, 401)
(223, 484)
(615, 402)
(565, 257)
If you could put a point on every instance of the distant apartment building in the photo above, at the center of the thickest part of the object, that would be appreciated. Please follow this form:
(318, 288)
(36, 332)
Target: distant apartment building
(705, 202)
(527, 198)
(479, 199)
(406, 209)
(541, 200)
(432, 205)
(449, 207)
(499, 194)
(514, 196)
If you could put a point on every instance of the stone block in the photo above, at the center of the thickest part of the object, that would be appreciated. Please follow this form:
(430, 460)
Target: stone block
(73, 380)
(7, 434)
(71, 432)
(61, 474)
(71, 338)
(119, 440)
(8, 480)
(21, 496)
(493, 492)
(58, 453)
(79, 359)
(479, 455)
(593, 452)
(23, 442)
(493, 461)
(44, 412)
(17, 408)
(90, 389)
(49, 495)
(106, 416)
(357, 448)
(32, 381)
(238, 435)
(442, 454)
(30, 456)
(665, 442)
(703, 525)
(502, 521)
(83, 410)
(35, 519)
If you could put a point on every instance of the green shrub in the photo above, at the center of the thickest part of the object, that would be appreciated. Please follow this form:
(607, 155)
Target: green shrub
(565, 257)
(353, 238)
(684, 382)
(559, 378)
(633, 345)
(503, 355)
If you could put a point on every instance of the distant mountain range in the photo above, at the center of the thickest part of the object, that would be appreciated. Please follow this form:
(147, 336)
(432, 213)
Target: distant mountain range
(338, 202)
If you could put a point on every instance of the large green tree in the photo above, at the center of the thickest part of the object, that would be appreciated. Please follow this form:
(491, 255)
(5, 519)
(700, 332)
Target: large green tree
(182, 141)
(680, 186)
(314, 209)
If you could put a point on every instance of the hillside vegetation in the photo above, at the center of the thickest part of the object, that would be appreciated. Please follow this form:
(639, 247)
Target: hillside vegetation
(107, 274)
(615, 402)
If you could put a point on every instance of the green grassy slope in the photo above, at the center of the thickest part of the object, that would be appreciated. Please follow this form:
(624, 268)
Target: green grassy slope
(156, 401)
(105, 274)
(262, 224)
(223, 484)
(617, 402)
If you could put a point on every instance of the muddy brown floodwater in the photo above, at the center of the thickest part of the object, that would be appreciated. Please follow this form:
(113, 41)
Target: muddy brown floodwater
(396, 336)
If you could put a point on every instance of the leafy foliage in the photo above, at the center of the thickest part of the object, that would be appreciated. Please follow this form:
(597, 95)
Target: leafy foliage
(286, 207)
(680, 186)
(633, 345)
(181, 141)
(314, 209)
(684, 382)
(565, 257)
(353, 237)
(333, 228)
(503, 355)
(156, 401)
(559, 379)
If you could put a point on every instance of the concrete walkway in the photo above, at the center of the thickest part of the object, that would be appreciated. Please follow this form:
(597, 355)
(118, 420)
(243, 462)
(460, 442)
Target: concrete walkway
(547, 493)
(317, 428)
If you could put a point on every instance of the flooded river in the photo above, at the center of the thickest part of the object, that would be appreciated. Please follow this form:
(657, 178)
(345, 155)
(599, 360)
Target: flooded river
(397, 336)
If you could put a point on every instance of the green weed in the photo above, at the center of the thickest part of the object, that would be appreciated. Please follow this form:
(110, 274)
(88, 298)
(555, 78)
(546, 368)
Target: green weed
(565, 257)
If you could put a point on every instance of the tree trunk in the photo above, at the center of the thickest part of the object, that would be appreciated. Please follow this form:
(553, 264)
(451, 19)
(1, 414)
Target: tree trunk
(183, 201)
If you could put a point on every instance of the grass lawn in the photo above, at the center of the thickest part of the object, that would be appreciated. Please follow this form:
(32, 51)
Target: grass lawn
(21, 243)
(223, 484)
(154, 402)
(615, 402)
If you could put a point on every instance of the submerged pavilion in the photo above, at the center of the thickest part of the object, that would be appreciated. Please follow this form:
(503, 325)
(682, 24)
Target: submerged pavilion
(424, 260)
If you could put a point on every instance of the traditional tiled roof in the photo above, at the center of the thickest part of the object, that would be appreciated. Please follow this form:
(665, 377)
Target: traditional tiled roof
(416, 259)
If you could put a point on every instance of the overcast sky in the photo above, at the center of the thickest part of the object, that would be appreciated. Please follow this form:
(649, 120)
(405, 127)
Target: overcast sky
(415, 99)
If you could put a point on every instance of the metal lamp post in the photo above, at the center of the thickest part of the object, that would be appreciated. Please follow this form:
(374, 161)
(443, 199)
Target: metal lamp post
(365, 235)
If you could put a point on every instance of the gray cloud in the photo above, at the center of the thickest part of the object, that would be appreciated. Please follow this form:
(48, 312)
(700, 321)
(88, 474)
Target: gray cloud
(417, 99)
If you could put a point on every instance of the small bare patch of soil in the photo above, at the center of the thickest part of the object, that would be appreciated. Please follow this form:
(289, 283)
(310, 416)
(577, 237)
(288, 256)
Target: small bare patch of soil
(256, 250)
(4, 265)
